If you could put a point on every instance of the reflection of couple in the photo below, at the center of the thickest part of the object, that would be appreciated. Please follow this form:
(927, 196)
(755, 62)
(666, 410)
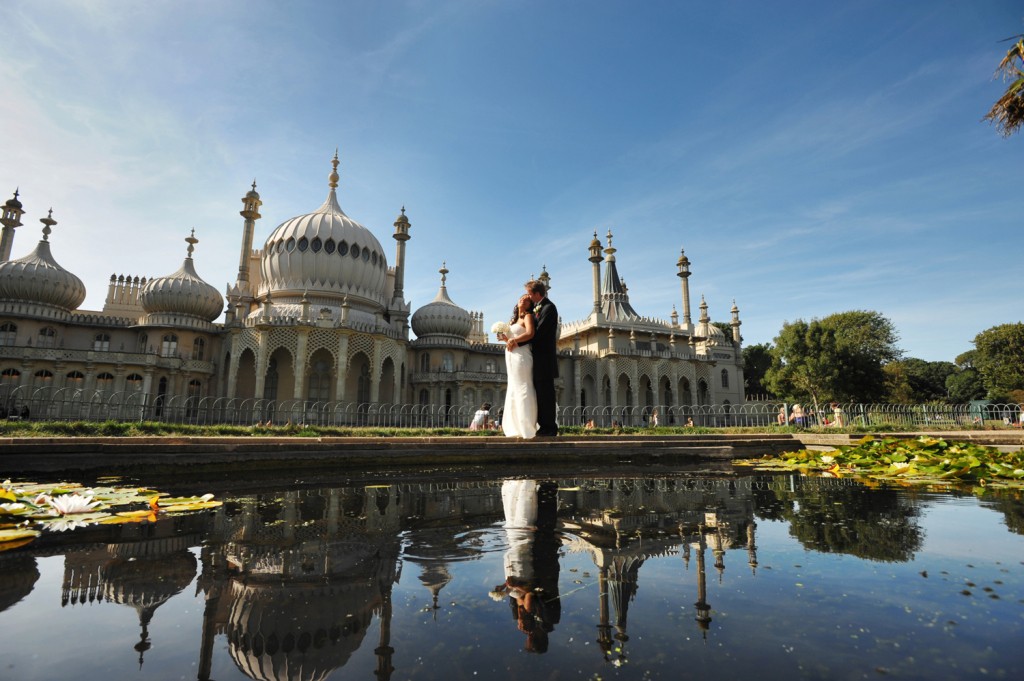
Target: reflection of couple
(532, 365)
(531, 560)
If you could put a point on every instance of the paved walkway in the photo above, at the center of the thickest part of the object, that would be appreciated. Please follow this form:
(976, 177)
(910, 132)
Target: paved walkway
(103, 455)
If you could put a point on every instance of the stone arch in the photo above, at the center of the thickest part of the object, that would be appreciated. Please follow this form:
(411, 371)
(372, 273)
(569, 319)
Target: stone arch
(320, 375)
(588, 392)
(357, 379)
(245, 382)
(387, 381)
(279, 379)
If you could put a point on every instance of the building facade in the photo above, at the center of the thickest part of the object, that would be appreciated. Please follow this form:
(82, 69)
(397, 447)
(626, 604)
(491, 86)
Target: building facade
(316, 328)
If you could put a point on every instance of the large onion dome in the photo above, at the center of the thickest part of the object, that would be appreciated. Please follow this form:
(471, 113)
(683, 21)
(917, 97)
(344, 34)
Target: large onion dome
(37, 278)
(325, 255)
(441, 316)
(182, 298)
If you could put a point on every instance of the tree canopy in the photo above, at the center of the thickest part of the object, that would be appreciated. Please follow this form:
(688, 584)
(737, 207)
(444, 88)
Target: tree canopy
(1007, 114)
(999, 358)
(840, 357)
(757, 359)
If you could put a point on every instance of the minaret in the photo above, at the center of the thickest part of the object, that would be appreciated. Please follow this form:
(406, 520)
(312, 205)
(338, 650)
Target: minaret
(684, 274)
(735, 323)
(11, 219)
(251, 212)
(401, 235)
(595, 258)
(544, 277)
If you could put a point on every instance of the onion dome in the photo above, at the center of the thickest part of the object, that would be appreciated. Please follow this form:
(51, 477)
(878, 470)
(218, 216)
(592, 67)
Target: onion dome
(705, 329)
(37, 278)
(327, 254)
(441, 316)
(181, 297)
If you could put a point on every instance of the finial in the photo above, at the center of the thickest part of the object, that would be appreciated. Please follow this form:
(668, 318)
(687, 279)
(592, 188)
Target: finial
(333, 177)
(254, 184)
(444, 272)
(48, 222)
(16, 189)
(192, 241)
(403, 210)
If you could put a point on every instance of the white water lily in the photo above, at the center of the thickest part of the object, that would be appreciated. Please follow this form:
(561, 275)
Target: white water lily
(206, 497)
(66, 524)
(827, 459)
(68, 504)
(900, 467)
(12, 507)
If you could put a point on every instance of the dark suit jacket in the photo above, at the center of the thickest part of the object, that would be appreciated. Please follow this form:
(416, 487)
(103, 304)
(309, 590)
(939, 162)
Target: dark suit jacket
(545, 337)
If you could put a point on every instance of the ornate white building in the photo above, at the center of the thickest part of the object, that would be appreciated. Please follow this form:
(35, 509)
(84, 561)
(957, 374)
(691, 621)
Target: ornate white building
(316, 327)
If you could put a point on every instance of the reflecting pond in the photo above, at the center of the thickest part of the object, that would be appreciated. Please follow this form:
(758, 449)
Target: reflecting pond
(666, 575)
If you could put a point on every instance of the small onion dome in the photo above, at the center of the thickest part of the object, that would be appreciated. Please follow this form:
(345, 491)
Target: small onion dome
(14, 203)
(326, 253)
(441, 316)
(183, 293)
(705, 329)
(37, 278)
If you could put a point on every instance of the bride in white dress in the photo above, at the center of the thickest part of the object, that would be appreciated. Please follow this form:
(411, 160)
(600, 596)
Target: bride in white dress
(519, 418)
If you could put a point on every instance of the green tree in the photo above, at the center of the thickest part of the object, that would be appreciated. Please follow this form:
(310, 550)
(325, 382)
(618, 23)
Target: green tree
(921, 381)
(1000, 358)
(865, 342)
(965, 385)
(757, 359)
(804, 363)
(1007, 113)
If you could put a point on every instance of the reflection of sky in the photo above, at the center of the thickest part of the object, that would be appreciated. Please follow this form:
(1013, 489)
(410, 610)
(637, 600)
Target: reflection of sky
(959, 527)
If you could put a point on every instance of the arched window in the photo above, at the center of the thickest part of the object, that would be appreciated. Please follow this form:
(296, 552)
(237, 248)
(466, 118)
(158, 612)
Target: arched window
(47, 337)
(133, 383)
(448, 362)
(425, 362)
(490, 366)
(104, 381)
(143, 341)
(101, 343)
(725, 378)
(319, 381)
(9, 376)
(169, 346)
(198, 349)
(424, 397)
(270, 382)
(43, 378)
(364, 384)
(74, 379)
(8, 333)
(195, 388)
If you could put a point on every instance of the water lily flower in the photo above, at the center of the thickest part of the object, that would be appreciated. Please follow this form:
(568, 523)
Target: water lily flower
(827, 459)
(12, 507)
(65, 524)
(206, 497)
(67, 504)
(898, 467)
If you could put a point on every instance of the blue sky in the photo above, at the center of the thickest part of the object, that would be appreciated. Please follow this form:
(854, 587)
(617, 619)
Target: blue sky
(811, 157)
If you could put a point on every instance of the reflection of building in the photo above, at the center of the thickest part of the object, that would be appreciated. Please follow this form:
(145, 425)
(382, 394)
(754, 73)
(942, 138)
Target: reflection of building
(20, 575)
(621, 524)
(142, 574)
(317, 318)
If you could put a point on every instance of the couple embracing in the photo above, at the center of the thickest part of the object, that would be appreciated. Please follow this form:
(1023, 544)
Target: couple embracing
(532, 363)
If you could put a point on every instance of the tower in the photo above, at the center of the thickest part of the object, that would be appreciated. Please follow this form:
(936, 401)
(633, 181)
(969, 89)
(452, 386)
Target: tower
(251, 212)
(11, 219)
(595, 258)
(401, 235)
(684, 275)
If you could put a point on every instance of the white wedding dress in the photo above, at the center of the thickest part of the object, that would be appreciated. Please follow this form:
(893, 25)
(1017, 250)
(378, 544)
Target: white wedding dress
(519, 418)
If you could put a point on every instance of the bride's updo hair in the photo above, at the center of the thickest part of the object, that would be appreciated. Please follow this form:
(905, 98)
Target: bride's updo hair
(515, 310)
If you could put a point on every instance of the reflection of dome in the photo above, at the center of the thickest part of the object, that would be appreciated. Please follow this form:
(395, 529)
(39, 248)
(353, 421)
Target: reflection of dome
(37, 278)
(326, 255)
(441, 316)
(181, 295)
(20, 575)
(298, 631)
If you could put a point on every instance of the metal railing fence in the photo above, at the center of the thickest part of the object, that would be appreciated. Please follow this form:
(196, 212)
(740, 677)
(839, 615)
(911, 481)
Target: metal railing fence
(70, 404)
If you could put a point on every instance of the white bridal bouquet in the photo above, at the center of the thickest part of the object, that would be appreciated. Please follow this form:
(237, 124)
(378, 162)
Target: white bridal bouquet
(500, 328)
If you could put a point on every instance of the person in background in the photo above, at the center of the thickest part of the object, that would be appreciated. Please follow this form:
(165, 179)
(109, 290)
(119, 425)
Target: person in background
(482, 418)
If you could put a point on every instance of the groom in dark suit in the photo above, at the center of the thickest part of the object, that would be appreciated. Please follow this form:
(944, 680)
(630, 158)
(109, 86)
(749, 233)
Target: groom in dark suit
(545, 357)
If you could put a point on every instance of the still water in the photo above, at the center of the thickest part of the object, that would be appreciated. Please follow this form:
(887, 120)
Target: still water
(654, 577)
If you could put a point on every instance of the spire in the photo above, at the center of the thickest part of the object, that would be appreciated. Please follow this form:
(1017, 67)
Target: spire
(334, 177)
(704, 319)
(192, 241)
(10, 218)
(48, 223)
